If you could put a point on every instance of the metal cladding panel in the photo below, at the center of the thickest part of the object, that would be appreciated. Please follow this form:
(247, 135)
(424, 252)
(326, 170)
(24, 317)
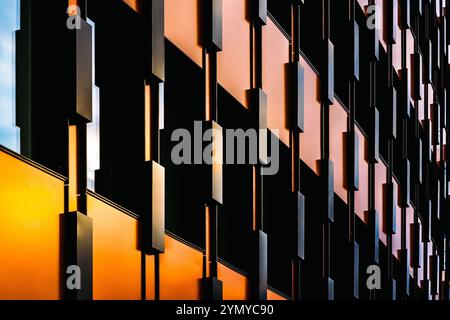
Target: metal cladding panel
(154, 219)
(84, 68)
(158, 207)
(351, 155)
(259, 272)
(212, 289)
(391, 16)
(155, 12)
(301, 226)
(416, 258)
(260, 11)
(213, 30)
(389, 208)
(329, 74)
(77, 244)
(326, 169)
(214, 174)
(416, 77)
(356, 250)
(356, 50)
(297, 96)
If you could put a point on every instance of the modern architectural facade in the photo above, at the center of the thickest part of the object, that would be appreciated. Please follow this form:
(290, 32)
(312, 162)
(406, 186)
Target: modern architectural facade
(347, 99)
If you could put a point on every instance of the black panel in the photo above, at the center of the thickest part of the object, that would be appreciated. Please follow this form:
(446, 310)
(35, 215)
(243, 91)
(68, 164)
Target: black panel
(280, 208)
(185, 207)
(76, 248)
(120, 76)
(389, 208)
(235, 219)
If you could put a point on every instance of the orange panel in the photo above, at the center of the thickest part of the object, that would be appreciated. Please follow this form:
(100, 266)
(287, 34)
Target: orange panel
(181, 271)
(338, 126)
(233, 63)
(72, 3)
(272, 296)
(150, 277)
(310, 139)
(116, 258)
(235, 285)
(275, 47)
(29, 231)
(181, 27)
(73, 171)
(135, 4)
(362, 195)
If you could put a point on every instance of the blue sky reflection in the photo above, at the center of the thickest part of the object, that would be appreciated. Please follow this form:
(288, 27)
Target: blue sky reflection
(9, 23)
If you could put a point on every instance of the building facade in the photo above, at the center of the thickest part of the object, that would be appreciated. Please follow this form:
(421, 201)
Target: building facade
(345, 99)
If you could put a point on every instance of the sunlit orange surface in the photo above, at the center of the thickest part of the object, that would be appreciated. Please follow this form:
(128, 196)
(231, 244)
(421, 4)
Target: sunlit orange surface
(272, 296)
(31, 202)
(235, 285)
(181, 27)
(181, 271)
(233, 63)
(116, 258)
(135, 4)
(276, 55)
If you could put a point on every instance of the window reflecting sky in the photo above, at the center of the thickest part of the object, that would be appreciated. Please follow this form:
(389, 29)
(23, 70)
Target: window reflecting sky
(9, 23)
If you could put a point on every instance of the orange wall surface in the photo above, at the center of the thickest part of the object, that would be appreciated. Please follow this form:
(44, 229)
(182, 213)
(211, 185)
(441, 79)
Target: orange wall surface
(181, 27)
(181, 270)
(275, 47)
(272, 296)
(235, 285)
(116, 258)
(233, 63)
(31, 202)
(135, 4)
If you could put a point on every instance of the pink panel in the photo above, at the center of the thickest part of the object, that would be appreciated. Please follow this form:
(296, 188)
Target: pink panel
(338, 126)
(397, 51)
(233, 63)
(276, 55)
(310, 139)
(181, 27)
